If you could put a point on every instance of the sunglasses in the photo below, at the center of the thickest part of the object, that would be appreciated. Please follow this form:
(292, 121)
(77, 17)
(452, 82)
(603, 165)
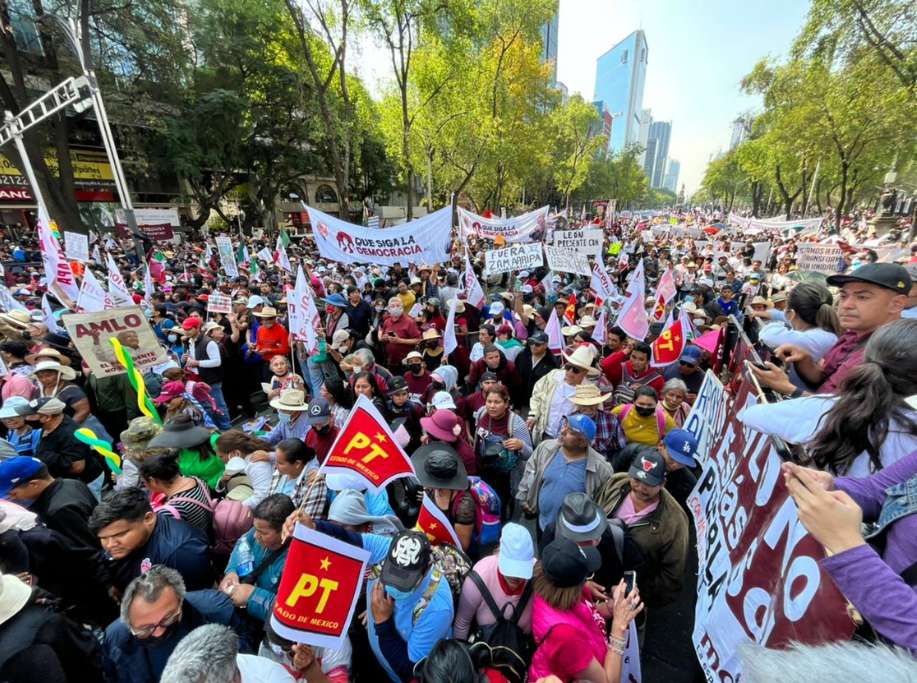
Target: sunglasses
(575, 369)
(687, 364)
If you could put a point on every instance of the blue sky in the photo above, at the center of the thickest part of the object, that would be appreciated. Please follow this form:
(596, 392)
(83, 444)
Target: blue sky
(699, 50)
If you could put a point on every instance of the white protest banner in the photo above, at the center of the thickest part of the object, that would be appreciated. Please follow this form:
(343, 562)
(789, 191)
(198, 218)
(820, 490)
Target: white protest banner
(819, 258)
(514, 257)
(227, 255)
(219, 303)
(587, 242)
(602, 285)
(707, 414)
(57, 271)
(117, 288)
(759, 580)
(762, 250)
(304, 317)
(92, 296)
(76, 246)
(424, 240)
(90, 333)
(527, 227)
(564, 261)
(474, 293)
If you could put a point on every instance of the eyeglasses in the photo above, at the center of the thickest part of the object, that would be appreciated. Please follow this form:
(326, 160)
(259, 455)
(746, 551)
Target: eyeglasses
(687, 364)
(575, 369)
(147, 631)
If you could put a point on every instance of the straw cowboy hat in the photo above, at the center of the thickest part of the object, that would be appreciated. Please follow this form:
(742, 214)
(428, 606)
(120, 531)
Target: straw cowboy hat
(48, 354)
(589, 395)
(588, 321)
(571, 330)
(582, 356)
(65, 372)
(432, 333)
(14, 594)
(266, 312)
(291, 399)
(17, 318)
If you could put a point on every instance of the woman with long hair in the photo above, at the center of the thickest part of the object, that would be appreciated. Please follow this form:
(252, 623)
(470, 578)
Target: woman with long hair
(575, 641)
(868, 424)
(339, 398)
(366, 384)
(235, 449)
(188, 496)
(812, 320)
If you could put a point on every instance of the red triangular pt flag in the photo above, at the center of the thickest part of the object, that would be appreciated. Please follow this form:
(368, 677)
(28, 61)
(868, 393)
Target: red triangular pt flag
(669, 346)
(436, 525)
(366, 447)
(570, 310)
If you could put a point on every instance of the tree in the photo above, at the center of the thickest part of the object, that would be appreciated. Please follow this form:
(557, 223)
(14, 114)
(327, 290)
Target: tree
(575, 144)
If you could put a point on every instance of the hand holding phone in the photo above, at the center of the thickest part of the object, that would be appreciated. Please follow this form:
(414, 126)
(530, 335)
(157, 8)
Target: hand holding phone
(630, 582)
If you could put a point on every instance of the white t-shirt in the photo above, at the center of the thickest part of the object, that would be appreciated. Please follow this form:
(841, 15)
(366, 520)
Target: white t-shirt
(816, 340)
(561, 406)
(255, 669)
(797, 421)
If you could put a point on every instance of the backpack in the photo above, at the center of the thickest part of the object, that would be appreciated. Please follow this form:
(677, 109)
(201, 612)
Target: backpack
(231, 519)
(623, 392)
(512, 647)
(454, 565)
(487, 517)
(660, 417)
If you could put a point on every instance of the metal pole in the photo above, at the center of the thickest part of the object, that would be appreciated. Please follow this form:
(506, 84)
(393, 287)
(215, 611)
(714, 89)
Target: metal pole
(27, 167)
(805, 206)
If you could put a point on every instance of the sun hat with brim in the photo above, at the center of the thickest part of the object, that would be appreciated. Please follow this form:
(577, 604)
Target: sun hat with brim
(180, 432)
(589, 395)
(139, 433)
(14, 406)
(432, 333)
(580, 518)
(14, 594)
(570, 330)
(759, 301)
(581, 357)
(516, 558)
(18, 318)
(240, 492)
(336, 299)
(291, 399)
(588, 321)
(438, 466)
(210, 327)
(266, 312)
(48, 354)
(54, 366)
(443, 424)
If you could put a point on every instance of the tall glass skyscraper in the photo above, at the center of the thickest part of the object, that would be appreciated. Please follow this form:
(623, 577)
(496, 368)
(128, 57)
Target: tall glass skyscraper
(549, 44)
(619, 77)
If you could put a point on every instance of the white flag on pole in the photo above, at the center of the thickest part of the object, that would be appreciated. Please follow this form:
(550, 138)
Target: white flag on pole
(57, 270)
(282, 259)
(601, 325)
(92, 297)
(117, 289)
(304, 318)
(48, 316)
(474, 293)
(555, 336)
(450, 343)
(148, 288)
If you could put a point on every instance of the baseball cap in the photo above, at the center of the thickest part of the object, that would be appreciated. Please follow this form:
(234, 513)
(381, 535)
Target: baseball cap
(190, 323)
(567, 564)
(443, 400)
(407, 561)
(649, 467)
(538, 337)
(582, 424)
(681, 446)
(517, 552)
(319, 410)
(46, 405)
(14, 471)
(338, 339)
(496, 308)
(396, 384)
(254, 300)
(691, 354)
(580, 518)
(14, 406)
(488, 376)
(888, 275)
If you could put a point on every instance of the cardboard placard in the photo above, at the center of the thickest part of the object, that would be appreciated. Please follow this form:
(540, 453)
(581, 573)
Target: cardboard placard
(90, 333)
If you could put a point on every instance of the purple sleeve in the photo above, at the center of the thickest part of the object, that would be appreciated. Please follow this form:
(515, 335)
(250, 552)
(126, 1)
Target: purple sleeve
(468, 604)
(869, 492)
(881, 596)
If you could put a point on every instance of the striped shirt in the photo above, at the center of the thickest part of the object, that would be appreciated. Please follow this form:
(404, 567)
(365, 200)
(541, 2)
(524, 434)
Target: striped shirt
(197, 514)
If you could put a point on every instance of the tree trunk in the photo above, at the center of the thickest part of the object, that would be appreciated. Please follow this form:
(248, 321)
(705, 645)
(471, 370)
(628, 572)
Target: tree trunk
(842, 201)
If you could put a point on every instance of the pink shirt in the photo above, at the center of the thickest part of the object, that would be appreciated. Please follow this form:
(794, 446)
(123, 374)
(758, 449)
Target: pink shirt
(18, 385)
(473, 609)
(568, 641)
(627, 514)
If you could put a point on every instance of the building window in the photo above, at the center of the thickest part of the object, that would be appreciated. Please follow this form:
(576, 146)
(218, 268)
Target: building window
(624, 57)
(643, 55)
(325, 194)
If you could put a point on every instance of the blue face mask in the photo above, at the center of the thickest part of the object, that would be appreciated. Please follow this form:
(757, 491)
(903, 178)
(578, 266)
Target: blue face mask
(283, 418)
(396, 594)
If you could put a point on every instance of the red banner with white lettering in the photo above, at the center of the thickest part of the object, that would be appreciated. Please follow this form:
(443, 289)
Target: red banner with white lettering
(759, 580)
(434, 523)
(367, 447)
(318, 590)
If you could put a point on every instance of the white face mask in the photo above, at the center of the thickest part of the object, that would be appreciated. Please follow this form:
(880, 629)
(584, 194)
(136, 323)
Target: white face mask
(395, 311)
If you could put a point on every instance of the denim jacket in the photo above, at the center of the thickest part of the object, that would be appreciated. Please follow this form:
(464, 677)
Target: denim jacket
(900, 501)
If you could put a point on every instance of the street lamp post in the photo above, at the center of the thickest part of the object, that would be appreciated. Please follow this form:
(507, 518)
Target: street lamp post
(71, 29)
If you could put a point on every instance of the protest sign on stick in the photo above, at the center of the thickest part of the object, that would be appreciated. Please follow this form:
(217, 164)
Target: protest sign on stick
(819, 258)
(219, 303)
(91, 332)
(514, 257)
(563, 261)
(587, 242)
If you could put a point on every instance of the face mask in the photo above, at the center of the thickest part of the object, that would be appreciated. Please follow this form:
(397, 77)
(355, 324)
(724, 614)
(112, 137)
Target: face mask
(396, 594)
(414, 367)
(395, 312)
(173, 338)
(322, 430)
(644, 411)
(379, 309)
(283, 418)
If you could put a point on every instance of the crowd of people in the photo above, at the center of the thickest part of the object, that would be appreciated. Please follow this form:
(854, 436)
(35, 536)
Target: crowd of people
(565, 473)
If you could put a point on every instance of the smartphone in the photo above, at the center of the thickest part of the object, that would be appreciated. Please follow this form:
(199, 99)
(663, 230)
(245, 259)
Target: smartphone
(630, 582)
(758, 364)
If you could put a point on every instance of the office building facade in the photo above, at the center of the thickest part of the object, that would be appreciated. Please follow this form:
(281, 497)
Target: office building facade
(657, 151)
(549, 44)
(673, 169)
(620, 75)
